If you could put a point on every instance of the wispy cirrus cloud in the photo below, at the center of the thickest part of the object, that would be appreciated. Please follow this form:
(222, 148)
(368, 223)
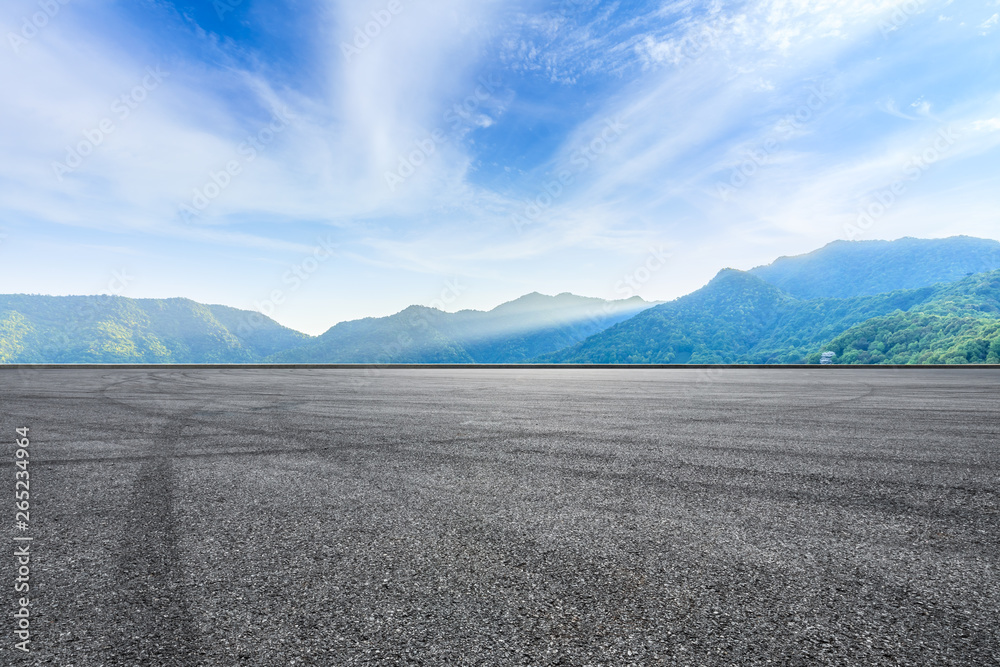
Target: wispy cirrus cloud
(438, 124)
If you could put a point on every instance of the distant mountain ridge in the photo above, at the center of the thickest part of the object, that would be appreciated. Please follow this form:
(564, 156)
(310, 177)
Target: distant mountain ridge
(115, 329)
(739, 318)
(513, 332)
(867, 302)
(859, 268)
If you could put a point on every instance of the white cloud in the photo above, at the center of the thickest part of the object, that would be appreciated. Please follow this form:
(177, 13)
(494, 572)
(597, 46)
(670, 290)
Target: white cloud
(922, 106)
(988, 25)
(699, 88)
(890, 107)
(328, 164)
(987, 125)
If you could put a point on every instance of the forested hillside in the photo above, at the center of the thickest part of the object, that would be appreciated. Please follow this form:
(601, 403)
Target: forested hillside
(113, 329)
(738, 318)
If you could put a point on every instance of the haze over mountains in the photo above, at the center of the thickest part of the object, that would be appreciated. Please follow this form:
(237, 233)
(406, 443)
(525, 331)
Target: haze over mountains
(113, 329)
(513, 332)
(904, 301)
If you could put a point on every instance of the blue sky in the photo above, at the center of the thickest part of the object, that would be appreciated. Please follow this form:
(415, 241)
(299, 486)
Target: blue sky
(325, 160)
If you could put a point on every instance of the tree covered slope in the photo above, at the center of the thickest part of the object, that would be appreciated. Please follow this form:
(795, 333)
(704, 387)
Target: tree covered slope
(739, 318)
(855, 268)
(112, 329)
(904, 301)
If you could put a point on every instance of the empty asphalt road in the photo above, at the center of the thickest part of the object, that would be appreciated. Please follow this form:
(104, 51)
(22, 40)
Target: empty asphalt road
(506, 517)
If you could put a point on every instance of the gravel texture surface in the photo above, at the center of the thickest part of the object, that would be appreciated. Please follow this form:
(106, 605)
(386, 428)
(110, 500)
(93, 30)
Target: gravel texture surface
(508, 517)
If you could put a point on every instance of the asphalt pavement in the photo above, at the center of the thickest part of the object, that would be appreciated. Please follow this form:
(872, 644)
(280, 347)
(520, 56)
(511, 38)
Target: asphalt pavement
(506, 516)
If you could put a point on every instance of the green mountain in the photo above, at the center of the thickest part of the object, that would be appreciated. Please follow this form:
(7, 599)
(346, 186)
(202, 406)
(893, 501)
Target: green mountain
(960, 324)
(410, 336)
(739, 318)
(868, 302)
(110, 329)
(512, 332)
(855, 268)
(113, 329)
(918, 338)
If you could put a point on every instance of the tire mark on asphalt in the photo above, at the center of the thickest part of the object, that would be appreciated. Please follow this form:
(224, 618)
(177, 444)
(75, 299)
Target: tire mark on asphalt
(180, 456)
(155, 626)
